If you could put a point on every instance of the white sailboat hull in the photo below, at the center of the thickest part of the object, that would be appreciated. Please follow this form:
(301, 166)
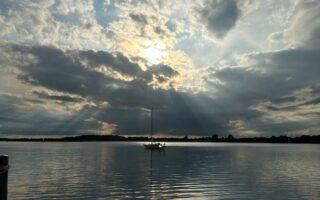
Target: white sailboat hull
(155, 146)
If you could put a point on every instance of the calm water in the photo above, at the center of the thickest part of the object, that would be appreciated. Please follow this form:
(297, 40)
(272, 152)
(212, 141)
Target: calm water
(107, 170)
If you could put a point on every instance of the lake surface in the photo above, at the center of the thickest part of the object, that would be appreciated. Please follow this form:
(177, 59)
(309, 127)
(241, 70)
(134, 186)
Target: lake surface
(115, 170)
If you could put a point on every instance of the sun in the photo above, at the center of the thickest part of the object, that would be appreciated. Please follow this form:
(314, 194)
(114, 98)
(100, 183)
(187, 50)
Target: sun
(152, 54)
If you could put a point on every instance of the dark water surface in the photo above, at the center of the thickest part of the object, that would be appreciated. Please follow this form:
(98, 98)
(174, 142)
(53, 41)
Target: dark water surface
(112, 170)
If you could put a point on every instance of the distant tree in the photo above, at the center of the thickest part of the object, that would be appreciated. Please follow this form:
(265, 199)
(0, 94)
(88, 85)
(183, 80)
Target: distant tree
(185, 138)
(214, 137)
(230, 138)
(273, 139)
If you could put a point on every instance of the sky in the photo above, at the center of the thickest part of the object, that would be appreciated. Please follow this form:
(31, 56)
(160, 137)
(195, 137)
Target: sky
(248, 68)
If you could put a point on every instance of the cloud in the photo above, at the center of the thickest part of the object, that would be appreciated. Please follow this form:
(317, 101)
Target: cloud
(175, 113)
(303, 29)
(266, 92)
(116, 61)
(122, 103)
(276, 37)
(68, 25)
(142, 27)
(139, 18)
(238, 106)
(62, 98)
(65, 71)
(220, 16)
(277, 91)
(18, 118)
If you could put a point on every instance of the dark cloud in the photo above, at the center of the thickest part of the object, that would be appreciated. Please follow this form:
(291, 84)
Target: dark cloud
(117, 61)
(286, 81)
(220, 16)
(284, 99)
(274, 78)
(139, 18)
(175, 113)
(294, 107)
(159, 30)
(17, 117)
(63, 71)
(160, 71)
(128, 101)
(62, 98)
(57, 71)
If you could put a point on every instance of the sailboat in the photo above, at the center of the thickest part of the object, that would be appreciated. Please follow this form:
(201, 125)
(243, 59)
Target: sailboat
(153, 145)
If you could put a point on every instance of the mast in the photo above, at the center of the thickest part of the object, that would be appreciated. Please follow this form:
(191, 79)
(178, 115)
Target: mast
(151, 109)
(151, 123)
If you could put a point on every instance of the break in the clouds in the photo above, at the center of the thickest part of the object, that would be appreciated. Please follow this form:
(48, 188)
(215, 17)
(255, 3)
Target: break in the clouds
(245, 68)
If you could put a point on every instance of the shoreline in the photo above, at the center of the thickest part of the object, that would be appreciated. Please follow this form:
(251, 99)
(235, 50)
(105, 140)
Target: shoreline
(304, 139)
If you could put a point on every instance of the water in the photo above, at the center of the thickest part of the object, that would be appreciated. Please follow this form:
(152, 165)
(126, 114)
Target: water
(112, 170)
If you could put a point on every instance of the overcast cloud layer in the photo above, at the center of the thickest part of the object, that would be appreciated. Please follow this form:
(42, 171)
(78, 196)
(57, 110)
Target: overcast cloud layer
(246, 68)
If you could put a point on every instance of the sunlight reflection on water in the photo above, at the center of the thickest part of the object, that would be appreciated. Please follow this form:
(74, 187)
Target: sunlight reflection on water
(111, 170)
